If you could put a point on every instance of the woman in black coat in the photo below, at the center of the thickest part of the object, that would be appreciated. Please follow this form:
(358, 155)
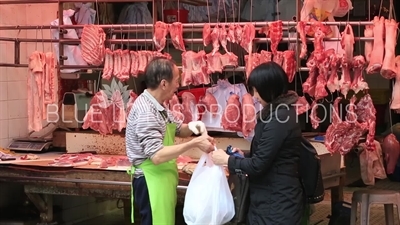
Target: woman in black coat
(276, 194)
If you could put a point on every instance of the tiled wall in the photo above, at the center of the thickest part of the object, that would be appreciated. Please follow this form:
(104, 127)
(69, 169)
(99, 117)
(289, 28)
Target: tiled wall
(13, 95)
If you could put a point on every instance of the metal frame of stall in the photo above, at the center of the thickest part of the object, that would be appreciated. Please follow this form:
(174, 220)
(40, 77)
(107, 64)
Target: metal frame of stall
(82, 182)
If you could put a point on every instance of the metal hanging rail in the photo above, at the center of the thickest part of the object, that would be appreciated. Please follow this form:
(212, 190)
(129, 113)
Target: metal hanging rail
(10, 2)
(185, 25)
(228, 69)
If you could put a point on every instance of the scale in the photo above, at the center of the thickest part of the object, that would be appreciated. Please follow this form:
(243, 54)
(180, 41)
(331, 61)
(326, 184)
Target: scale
(30, 144)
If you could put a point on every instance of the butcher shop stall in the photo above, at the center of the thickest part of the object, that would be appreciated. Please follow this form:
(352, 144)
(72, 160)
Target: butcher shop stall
(83, 64)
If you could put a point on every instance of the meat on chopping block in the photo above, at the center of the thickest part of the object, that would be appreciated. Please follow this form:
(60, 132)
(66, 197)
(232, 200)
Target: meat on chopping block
(232, 117)
(388, 70)
(395, 104)
(391, 151)
(160, 35)
(248, 114)
(176, 33)
(376, 59)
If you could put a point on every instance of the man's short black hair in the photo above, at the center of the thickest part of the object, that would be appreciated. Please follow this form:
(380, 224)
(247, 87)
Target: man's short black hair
(157, 70)
(270, 81)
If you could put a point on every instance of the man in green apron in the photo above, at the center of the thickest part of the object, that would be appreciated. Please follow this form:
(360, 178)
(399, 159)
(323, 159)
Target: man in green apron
(150, 134)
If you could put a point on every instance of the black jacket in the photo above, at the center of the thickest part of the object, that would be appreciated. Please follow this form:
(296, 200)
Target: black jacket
(276, 194)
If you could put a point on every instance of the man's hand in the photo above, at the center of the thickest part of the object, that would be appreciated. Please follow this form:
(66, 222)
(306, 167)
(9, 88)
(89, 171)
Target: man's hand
(204, 143)
(197, 127)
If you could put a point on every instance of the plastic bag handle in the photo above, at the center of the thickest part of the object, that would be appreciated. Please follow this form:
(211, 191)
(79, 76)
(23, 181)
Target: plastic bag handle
(205, 158)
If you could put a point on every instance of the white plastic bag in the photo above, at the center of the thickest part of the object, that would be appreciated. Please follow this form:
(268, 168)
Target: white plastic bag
(208, 198)
(342, 8)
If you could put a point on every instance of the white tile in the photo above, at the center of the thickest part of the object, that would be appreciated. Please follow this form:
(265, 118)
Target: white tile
(3, 91)
(17, 90)
(3, 110)
(3, 129)
(17, 74)
(17, 109)
(4, 142)
(3, 71)
(18, 128)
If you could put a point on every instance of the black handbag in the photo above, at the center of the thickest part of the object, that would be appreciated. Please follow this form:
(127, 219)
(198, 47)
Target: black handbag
(310, 173)
(239, 183)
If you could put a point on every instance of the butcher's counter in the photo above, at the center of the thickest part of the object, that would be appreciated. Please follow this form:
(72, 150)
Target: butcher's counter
(39, 178)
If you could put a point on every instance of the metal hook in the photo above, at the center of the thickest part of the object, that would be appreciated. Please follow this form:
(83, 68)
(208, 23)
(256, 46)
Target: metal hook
(122, 44)
(41, 29)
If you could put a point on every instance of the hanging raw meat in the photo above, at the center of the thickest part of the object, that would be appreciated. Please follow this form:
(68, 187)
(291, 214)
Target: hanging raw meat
(395, 105)
(301, 30)
(333, 81)
(322, 78)
(231, 37)
(189, 107)
(345, 79)
(92, 44)
(366, 113)
(248, 114)
(388, 70)
(368, 33)
(391, 151)
(210, 103)
(132, 97)
(358, 83)
(215, 39)
(232, 117)
(108, 64)
(347, 43)
(302, 105)
(97, 117)
(376, 59)
(116, 110)
(160, 35)
(176, 33)
(275, 34)
(342, 136)
(315, 120)
(175, 107)
(309, 84)
(289, 64)
(207, 34)
(222, 37)
(248, 35)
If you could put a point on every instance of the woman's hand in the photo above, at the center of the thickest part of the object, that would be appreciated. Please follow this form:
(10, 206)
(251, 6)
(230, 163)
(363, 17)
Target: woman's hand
(238, 151)
(219, 157)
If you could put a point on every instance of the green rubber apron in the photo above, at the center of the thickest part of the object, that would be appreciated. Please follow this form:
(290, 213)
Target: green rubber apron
(162, 181)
